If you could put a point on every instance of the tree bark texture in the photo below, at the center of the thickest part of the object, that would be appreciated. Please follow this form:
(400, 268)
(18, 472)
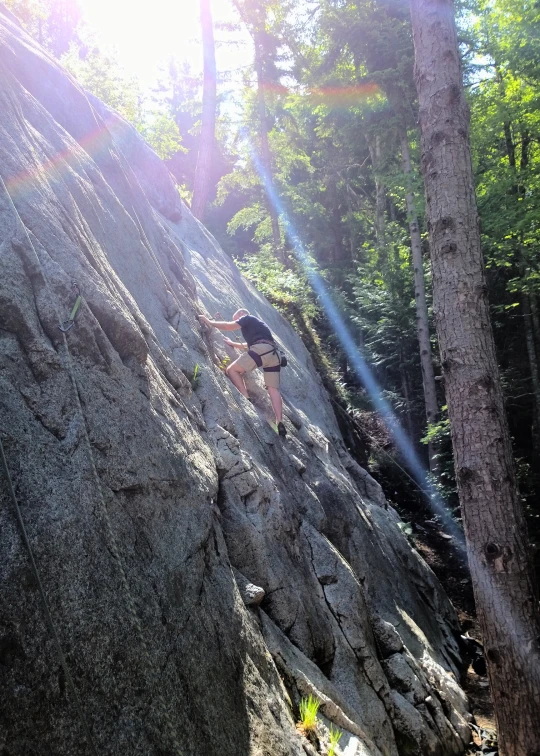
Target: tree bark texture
(492, 514)
(422, 320)
(201, 189)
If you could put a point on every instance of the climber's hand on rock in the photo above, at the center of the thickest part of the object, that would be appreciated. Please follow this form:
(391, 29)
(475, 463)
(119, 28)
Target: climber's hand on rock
(204, 320)
(230, 342)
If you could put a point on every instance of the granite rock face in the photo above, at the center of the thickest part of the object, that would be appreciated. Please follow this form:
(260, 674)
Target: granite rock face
(202, 574)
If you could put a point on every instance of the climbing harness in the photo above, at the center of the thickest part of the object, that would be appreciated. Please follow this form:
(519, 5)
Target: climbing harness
(229, 389)
(68, 324)
(257, 358)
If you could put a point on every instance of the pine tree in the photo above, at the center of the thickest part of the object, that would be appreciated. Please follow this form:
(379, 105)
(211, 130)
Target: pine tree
(422, 318)
(497, 542)
(254, 15)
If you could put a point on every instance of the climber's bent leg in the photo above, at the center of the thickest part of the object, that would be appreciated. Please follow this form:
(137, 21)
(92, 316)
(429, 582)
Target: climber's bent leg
(236, 374)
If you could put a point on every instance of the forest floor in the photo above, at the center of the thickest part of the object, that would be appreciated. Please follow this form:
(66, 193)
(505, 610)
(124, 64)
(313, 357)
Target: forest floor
(451, 568)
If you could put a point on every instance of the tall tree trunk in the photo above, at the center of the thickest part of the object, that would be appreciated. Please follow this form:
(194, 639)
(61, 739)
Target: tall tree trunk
(201, 189)
(266, 158)
(529, 305)
(406, 389)
(253, 14)
(422, 320)
(351, 235)
(533, 365)
(535, 321)
(528, 325)
(526, 140)
(374, 146)
(510, 146)
(494, 522)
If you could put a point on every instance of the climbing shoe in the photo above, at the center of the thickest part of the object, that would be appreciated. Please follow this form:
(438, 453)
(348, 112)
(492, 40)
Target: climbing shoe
(282, 430)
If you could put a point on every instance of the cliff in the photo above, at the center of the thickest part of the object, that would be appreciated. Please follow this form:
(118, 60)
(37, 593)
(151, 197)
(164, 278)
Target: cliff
(202, 574)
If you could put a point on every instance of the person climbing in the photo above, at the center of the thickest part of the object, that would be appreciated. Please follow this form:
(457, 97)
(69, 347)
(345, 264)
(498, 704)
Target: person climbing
(261, 351)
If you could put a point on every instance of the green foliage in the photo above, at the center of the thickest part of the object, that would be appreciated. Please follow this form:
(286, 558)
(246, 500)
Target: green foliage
(280, 284)
(437, 432)
(309, 708)
(335, 737)
(55, 24)
(339, 93)
(162, 134)
(100, 73)
(439, 435)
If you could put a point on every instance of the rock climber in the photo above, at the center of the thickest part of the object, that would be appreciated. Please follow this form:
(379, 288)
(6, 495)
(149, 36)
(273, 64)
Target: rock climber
(260, 351)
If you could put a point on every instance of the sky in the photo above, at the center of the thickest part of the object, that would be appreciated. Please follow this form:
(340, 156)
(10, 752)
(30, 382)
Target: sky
(146, 35)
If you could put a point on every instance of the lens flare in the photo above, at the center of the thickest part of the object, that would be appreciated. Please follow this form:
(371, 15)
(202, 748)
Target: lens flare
(486, 594)
(355, 357)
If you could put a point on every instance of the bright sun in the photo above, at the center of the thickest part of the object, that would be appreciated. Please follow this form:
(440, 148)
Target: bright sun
(146, 35)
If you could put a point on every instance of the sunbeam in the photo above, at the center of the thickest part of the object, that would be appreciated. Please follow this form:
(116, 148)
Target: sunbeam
(356, 359)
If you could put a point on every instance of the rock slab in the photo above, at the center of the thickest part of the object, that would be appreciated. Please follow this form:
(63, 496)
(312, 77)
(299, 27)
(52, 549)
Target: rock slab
(202, 574)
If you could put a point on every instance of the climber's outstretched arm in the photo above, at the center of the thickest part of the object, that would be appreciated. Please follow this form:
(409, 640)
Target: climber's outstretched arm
(223, 325)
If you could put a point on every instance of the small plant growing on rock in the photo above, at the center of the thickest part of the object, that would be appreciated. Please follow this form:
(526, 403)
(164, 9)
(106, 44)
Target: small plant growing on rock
(195, 379)
(224, 362)
(308, 714)
(335, 737)
(407, 530)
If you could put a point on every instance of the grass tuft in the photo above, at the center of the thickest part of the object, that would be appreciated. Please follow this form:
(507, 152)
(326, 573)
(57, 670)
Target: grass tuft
(335, 737)
(195, 379)
(308, 713)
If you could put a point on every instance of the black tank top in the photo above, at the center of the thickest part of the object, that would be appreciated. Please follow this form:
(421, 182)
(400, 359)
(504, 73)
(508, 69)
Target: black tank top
(254, 329)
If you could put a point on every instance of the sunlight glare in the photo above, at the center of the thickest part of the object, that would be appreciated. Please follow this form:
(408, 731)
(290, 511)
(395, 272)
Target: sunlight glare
(146, 36)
